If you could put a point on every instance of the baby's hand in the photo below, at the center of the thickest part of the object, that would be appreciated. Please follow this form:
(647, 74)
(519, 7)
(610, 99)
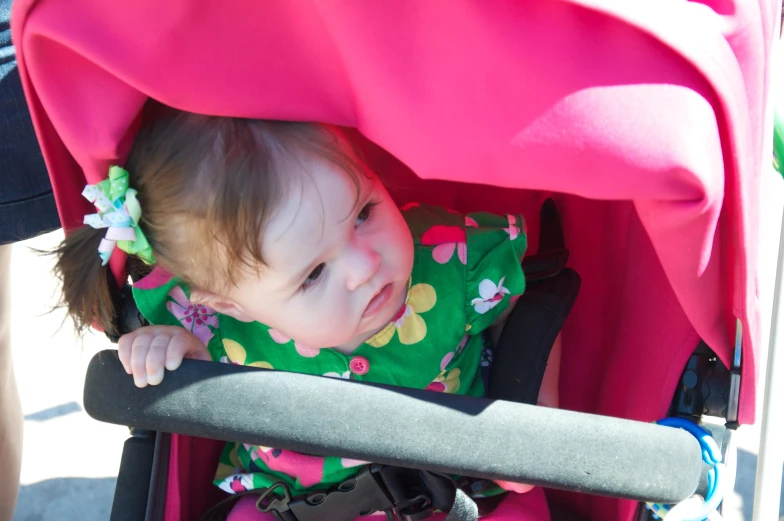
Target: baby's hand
(146, 351)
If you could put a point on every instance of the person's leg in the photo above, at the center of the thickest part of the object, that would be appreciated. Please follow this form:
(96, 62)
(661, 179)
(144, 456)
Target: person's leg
(10, 407)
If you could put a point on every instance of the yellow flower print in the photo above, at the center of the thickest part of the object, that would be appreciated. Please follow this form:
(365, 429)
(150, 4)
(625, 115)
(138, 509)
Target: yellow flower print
(224, 470)
(410, 327)
(445, 382)
(236, 354)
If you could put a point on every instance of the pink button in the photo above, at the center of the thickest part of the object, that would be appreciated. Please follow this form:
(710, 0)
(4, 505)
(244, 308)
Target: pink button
(359, 365)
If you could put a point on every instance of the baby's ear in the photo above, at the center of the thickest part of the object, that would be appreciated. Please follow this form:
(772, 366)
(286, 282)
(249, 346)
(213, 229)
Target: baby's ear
(220, 304)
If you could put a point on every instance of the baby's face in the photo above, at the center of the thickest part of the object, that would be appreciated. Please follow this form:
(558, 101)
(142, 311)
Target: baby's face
(338, 266)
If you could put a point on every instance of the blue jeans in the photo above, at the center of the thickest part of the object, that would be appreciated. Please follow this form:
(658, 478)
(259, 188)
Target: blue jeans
(27, 205)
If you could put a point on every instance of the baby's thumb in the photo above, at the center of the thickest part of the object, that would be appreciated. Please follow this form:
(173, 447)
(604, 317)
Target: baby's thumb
(198, 351)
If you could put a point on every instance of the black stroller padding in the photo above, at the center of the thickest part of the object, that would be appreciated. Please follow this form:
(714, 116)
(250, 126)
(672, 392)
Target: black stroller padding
(520, 358)
(134, 478)
(483, 438)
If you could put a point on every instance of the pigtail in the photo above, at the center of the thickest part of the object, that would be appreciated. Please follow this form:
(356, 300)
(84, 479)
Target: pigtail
(86, 293)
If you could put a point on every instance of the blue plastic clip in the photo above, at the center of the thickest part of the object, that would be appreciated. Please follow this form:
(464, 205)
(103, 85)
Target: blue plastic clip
(711, 455)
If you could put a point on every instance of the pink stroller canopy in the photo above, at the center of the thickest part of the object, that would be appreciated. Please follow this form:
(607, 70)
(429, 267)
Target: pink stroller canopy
(646, 118)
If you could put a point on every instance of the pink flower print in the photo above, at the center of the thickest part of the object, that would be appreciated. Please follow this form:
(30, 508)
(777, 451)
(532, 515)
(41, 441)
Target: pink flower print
(408, 206)
(348, 462)
(490, 295)
(302, 350)
(194, 317)
(308, 470)
(513, 230)
(447, 239)
(445, 361)
(462, 344)
(155, 279)
(445, 382)
(436, 387)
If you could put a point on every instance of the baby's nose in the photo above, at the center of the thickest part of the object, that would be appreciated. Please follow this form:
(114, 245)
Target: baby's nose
(364, 263)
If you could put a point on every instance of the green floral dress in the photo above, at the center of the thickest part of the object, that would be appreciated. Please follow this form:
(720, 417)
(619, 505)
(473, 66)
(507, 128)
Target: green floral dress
(466, 270)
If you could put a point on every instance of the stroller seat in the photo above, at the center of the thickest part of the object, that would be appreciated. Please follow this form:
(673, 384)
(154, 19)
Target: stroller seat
(519, 361)
(645, 121)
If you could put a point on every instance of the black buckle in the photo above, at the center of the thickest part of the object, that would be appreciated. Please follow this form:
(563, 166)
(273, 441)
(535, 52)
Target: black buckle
(270, 503)
(355, 497)
(417, 509)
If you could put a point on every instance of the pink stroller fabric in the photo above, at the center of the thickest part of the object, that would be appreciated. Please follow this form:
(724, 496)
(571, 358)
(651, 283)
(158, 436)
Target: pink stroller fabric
(645, 118)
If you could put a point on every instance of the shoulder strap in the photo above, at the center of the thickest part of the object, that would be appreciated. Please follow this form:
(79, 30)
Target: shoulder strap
(520, 358)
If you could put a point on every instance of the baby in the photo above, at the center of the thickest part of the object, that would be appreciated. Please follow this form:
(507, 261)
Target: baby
(275, 246)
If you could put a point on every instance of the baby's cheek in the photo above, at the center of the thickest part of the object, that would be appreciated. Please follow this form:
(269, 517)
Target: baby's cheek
(327, 327)
(400, 249)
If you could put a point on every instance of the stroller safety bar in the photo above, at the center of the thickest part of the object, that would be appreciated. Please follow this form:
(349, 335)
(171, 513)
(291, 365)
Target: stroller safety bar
(399, 426)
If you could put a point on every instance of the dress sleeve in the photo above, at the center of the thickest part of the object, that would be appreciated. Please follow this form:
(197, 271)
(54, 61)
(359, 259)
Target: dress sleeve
(496, 245)
(164, 301)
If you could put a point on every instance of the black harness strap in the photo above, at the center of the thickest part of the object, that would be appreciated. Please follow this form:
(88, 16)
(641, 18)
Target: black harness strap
(403, 494)
(520, 357)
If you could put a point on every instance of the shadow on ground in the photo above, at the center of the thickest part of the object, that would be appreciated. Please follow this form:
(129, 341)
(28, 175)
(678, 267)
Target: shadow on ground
(66, 499)
(747, 467)
(54, 412)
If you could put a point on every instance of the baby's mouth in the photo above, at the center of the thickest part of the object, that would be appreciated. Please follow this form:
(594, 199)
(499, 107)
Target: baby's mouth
(378, 302)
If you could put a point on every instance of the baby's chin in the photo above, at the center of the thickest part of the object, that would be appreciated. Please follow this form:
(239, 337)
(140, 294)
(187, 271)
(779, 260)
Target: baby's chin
(364, 333)
(338, 341)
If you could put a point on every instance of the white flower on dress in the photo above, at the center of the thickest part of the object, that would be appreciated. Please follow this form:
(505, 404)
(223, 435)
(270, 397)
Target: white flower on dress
(237, 483)
(490, 295)
(344, 376)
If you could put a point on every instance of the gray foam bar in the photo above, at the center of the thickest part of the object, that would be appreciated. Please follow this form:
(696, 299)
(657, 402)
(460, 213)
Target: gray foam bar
(404, 427)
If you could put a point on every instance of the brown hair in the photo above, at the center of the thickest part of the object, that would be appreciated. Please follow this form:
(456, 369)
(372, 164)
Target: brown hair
(207, 185)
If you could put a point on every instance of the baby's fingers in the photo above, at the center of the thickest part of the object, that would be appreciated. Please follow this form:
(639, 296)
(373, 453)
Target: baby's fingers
(184, 345)
(139, 349)
(156, 358)
(124, 346)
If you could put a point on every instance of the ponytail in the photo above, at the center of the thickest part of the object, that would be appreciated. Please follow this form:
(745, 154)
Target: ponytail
(86, 292)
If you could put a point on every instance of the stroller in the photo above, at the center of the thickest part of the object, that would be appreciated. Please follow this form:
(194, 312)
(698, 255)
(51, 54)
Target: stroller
(643, 121)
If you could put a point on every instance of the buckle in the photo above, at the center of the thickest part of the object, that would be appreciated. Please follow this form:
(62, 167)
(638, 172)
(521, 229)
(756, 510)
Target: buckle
(269, 503)
(376, 488)
(353, 498)
(417, 509)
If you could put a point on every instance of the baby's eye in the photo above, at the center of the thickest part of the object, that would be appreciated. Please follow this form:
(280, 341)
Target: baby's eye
(365, 213)
(313, 277)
